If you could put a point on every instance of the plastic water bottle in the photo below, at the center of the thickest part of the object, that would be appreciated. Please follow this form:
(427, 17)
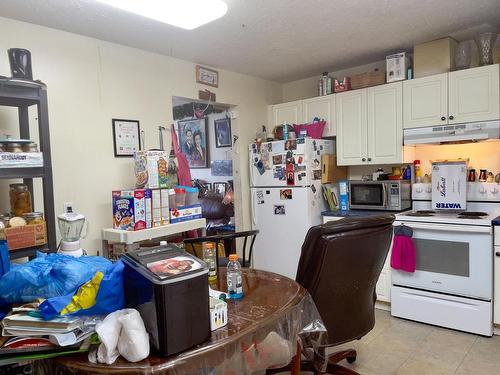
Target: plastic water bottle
(210, 257)
(234, 278)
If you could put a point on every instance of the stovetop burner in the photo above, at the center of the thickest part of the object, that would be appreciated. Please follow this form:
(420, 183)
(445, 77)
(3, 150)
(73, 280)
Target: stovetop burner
(421, 213)
(468, 214)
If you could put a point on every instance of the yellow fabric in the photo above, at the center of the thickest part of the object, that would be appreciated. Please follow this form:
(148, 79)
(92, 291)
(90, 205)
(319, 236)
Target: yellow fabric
(85, 297)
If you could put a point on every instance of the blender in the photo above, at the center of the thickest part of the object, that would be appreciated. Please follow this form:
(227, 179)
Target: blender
(70, 226)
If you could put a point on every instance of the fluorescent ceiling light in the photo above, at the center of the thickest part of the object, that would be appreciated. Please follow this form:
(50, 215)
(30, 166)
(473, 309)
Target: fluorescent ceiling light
(188, 14)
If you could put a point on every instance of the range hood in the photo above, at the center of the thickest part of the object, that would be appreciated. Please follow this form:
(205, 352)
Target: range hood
(450, 134)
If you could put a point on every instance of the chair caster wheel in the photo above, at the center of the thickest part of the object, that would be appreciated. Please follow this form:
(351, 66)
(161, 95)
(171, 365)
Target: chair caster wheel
(351, 359)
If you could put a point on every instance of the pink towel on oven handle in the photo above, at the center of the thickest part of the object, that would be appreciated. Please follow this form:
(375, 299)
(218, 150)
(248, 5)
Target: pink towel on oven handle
(403, 256)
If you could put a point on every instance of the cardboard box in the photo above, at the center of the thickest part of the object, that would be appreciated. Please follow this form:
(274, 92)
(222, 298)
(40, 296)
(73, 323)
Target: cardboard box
(185, 213)
(132, 209)
(330, 172)
(151, 170)
(26, 236)
(368, 79)
(161, 214)
(344, 195)
(396, 66)
(165, 212)
(434, 57)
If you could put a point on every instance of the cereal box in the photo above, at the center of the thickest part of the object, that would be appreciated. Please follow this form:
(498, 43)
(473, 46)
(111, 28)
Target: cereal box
(152, 170)
(132, 209)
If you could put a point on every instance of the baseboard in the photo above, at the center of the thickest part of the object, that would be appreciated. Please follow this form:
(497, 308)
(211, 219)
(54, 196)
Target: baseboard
(382, 305)
(496, 329)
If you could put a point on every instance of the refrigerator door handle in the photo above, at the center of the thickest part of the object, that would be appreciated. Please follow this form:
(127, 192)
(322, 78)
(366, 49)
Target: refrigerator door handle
(254, 217)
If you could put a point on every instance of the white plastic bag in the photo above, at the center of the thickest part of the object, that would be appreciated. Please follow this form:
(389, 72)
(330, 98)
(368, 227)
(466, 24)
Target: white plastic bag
(122, 333)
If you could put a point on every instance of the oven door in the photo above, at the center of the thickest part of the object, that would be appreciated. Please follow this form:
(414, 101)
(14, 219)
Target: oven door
(453, 259)
(368, 195)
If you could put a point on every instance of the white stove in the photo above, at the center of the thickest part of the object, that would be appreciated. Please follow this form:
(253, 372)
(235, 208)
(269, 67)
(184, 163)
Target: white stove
(452, 285)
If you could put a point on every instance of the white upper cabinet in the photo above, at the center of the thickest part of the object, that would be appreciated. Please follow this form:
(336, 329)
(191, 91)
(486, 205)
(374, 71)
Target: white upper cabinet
(468, 95)
(425, 101)
(385, 124)
(290, 112)
(322, 107)
(474, 94)
(350, 108)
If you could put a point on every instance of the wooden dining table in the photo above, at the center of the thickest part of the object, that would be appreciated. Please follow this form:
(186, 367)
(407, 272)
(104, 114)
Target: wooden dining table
(264, 330)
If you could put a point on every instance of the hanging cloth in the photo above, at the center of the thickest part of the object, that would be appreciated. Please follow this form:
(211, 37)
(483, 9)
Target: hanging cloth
(183, 170)
(403, 256)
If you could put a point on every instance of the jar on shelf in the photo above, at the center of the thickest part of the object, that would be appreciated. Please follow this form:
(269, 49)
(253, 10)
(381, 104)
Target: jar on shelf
(20, 199)
(14, 147)
(30, 147)
(33, 218)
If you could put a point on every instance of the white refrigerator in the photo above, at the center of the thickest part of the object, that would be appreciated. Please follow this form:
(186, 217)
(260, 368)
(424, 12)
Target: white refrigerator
(286, 199)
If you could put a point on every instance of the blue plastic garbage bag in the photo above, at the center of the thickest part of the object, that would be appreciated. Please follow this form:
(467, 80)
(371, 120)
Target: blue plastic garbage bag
(48, 276)
(4, 258)
(110, 296)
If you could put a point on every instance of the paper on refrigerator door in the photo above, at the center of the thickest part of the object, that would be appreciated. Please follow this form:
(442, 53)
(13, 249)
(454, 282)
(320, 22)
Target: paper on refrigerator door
(449, 185)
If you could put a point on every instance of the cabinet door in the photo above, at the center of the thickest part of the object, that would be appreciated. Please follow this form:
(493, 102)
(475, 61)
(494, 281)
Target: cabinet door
(350, 108)
(425, 101)
(290, 112)
(474, 94)
(322, 107)
(383, 288)
(385, 124)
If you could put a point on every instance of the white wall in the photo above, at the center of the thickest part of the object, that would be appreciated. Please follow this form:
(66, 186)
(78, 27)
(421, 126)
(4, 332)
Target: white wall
(90, 82)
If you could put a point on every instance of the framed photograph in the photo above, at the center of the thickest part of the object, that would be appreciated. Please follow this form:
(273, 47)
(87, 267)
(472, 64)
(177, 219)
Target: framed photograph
(208, 186)
(193, 141)
(126, 137)
(222, 132)
(207, 76)
(220, 187)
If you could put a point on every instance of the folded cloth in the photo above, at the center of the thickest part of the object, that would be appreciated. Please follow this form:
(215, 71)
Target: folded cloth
(403, 256)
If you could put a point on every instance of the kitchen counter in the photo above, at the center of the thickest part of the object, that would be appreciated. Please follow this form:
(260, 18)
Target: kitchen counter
(353, 213)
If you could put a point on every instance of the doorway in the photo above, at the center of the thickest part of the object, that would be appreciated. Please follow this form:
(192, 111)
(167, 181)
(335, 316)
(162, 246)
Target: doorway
(207, 134)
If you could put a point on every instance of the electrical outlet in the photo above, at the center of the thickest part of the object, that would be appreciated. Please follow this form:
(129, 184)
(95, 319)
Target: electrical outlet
(68, 207)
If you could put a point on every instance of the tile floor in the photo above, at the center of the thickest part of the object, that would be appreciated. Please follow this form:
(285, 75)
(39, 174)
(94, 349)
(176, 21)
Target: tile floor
(397, 346)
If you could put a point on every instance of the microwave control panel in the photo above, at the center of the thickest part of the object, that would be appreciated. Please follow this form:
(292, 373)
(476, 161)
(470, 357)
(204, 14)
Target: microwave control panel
(394, 195)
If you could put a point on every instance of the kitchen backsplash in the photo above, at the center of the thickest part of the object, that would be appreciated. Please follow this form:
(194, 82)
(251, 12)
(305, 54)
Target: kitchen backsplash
(482, 155)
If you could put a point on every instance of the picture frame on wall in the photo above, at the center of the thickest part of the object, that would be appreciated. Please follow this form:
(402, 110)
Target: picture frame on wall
(220, 187)
(207, 76)
(222, 132)
(126, 137)
(193, 142)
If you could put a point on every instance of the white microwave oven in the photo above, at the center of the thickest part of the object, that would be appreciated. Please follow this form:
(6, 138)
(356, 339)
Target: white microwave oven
(387, 195)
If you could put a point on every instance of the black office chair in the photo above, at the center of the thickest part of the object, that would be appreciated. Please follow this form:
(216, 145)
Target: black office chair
(229, 242)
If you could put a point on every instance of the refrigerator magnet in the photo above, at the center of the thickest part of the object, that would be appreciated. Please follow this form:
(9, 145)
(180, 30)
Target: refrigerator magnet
(291, 144)
(300, 141)
(277, 159)
(260, 167)
(290, 178)
(285, 194)
(279, 209)
(300, 159)
(317, 174)
(270, 147)
(260, 197)
(278, 147)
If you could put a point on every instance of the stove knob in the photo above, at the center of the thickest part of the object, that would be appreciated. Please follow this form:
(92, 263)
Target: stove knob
(419, 189)
(482, 190)
(497, 253)
(428, 189)
(494, 190)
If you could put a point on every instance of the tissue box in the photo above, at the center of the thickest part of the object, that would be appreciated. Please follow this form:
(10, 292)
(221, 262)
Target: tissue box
(396, 66)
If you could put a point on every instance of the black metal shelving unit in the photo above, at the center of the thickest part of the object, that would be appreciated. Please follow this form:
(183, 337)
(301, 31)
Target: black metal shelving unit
(23, 95)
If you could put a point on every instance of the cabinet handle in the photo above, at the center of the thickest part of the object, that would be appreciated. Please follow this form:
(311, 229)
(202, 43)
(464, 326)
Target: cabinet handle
(451, 117)
(443, 118)
(497, 253)
(364, 159)
(369, 159)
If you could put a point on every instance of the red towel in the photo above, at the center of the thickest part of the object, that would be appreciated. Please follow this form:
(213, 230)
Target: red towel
(403, 255)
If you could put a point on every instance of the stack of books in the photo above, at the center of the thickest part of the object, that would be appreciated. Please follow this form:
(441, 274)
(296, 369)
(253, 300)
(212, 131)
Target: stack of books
(27, 334)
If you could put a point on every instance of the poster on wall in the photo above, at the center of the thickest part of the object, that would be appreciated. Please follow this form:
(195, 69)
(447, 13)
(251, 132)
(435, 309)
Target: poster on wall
(222, 168)
(126, 138)
(193, 142)
(223, 132)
